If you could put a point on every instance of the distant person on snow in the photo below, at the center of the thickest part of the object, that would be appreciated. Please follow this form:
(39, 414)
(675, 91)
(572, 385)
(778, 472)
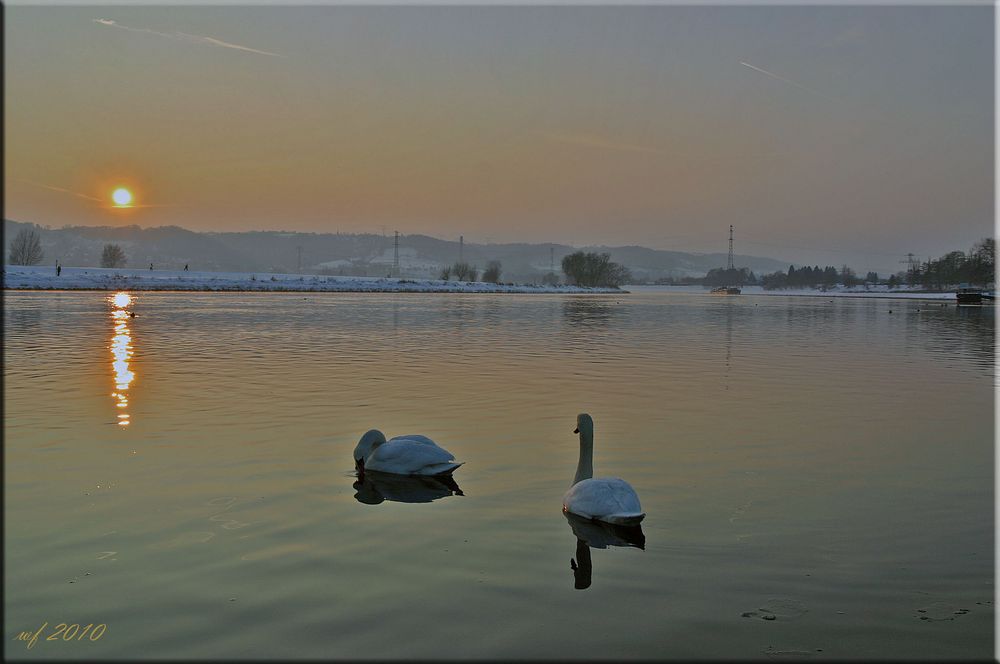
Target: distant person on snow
(58, 269)
(185, 267)
(150, 266)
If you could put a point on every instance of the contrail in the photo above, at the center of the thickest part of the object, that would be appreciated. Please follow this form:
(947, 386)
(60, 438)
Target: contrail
(60, 189)
(90, 198)
(183, 36)
(785, 80)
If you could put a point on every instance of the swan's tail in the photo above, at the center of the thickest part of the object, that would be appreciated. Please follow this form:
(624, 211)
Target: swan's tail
(625, 518)
(440, 468)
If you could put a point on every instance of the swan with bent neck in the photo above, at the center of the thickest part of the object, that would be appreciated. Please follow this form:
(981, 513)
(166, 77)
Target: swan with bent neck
(608, 499)
(411, 454)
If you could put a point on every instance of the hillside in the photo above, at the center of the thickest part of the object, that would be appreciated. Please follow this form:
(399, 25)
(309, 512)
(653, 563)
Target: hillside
(172, 247)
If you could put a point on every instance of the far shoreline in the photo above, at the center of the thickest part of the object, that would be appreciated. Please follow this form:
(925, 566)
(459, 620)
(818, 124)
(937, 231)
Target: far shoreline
(46, 278)
(221, 291)
(71, 279)
(833, 293)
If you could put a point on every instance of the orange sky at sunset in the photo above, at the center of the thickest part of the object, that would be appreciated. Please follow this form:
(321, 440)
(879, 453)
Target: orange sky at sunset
(833, 133)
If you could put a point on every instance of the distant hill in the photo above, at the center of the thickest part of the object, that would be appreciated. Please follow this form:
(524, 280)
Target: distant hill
(171, 247)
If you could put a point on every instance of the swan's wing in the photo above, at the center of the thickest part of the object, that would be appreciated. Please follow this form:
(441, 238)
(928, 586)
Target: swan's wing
(605, 498)
(407, 455)
(416, 438)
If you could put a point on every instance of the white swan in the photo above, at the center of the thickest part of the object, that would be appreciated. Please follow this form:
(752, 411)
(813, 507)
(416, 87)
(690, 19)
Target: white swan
(402, 455)
(607, 499)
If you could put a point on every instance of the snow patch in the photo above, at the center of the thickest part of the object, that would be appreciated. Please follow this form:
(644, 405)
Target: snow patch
(95, 278)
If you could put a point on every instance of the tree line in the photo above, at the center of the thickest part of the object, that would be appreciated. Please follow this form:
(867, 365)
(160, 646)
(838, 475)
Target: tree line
(581, 269)
(977, 266)
(462, 271)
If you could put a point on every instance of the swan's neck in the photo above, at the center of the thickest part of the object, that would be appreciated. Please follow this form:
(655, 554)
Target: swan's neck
(585, 467)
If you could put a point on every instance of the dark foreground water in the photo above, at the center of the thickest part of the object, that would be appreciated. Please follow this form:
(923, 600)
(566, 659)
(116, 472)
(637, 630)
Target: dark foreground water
(817, 475)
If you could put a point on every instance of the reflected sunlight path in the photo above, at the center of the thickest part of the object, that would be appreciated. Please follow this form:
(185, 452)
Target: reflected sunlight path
(121, 352)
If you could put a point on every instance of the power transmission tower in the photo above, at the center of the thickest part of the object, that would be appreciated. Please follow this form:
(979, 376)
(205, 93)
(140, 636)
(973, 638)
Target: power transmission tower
(395, 256)
(913, 264)
(729, 264)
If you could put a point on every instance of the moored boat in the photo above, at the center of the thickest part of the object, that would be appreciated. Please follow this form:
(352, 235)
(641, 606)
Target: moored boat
(969, 295)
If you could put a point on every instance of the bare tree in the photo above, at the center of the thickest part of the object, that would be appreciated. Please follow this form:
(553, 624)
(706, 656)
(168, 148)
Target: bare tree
(26, 248)
(445, 274)
(591, 269)
(492, 272)
(113, 256)
(464, 272)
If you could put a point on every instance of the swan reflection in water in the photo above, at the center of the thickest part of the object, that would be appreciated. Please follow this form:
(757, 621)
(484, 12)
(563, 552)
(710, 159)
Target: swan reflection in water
(374, 487)
(598, 535)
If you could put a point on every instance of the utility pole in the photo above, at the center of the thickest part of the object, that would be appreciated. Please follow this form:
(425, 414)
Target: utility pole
(300, 257)
(552, 260)
(395, 256)
(461, 247)
(729, 264)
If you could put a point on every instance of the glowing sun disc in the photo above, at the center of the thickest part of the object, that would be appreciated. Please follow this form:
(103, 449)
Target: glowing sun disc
(121, 196)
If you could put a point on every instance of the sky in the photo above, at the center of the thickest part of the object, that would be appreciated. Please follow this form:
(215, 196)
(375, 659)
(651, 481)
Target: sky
(824, 135)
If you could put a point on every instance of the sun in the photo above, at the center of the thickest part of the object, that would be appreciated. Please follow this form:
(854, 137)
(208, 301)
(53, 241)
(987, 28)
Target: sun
(122, 197)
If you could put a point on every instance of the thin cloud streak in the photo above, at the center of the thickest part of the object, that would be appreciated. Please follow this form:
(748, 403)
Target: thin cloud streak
(183, 36)
(59, 189)
(786, 80)
(599, 142)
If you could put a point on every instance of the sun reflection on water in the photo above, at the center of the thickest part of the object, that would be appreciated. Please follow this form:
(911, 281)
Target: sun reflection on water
(121, 352)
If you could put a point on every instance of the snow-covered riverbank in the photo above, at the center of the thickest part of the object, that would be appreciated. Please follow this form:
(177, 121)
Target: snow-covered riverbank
(838, 291)
(93, 278)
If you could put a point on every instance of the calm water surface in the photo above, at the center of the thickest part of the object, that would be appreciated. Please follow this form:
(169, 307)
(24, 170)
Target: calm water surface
(817, 476)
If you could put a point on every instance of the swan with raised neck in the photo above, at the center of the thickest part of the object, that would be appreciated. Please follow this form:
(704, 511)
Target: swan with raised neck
(608, 499)
(585, 466)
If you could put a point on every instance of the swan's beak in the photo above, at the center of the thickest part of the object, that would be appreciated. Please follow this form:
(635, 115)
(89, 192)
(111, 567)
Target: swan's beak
(576, 430)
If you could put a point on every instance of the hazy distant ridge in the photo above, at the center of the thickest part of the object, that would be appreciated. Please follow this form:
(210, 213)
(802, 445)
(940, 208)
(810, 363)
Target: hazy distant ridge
(171, 247)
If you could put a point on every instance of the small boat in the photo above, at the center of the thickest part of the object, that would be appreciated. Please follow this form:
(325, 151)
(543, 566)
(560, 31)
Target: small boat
(726, 290)
(969, 295)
